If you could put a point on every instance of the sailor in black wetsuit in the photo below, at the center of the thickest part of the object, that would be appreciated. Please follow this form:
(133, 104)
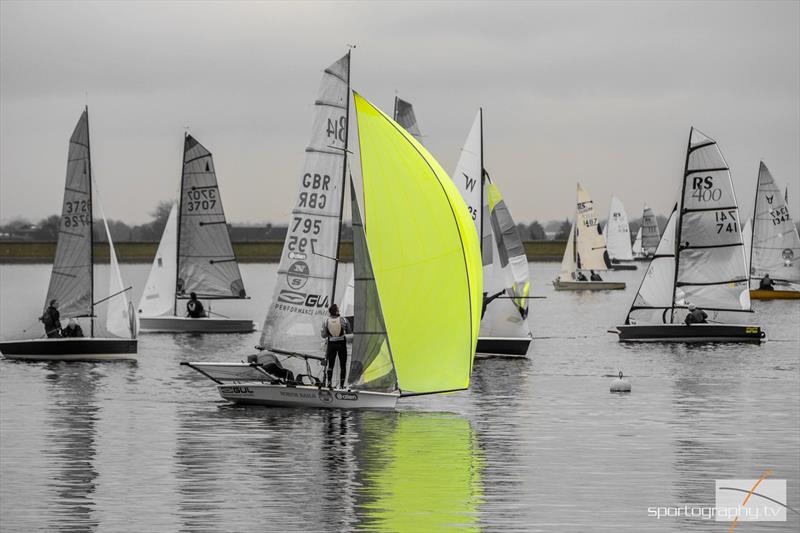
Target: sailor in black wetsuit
(766, 284)
(333, 331)
(695, 316)
(595, 276)
(194, 308)
(51, 319)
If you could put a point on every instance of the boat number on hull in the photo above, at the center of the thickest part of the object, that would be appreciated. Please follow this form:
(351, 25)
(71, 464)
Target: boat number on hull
(236, 390)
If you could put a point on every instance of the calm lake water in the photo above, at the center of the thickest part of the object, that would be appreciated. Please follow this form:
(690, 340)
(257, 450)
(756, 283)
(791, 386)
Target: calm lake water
(534, 445)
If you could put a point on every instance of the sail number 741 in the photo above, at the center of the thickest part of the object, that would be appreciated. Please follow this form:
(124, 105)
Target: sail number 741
(726, 221)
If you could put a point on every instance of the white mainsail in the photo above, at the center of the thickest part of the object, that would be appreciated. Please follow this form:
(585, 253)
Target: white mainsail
(206, 262)
(158, 298)
(747, 239)
(305, 287)
(618, 232)
(650, 232)
(468, 175)
(637, 244)
(775, 242)
(590, 247)
(712, 270)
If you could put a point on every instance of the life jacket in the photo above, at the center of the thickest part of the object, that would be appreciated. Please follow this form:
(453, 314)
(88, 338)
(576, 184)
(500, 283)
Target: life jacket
(335, 328)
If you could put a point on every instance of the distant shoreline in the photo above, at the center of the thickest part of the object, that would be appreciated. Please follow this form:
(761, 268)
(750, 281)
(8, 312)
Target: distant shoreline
(26, 252)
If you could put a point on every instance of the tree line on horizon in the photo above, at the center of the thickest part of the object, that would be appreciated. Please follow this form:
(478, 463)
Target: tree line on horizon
(46, 229)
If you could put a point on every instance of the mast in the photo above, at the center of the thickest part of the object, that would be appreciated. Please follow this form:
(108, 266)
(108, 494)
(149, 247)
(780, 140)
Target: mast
(91, 227)
(394, 112)
(344, 177)
(575, 235)
(483, 181)
(180, 212)
(679, 224)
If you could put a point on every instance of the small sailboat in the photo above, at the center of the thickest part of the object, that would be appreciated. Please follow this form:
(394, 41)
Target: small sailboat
(775, 244)
(195, 255)
(417, 267)
(650, 234)
(618, 236)
(585, 251)
(699, 261)
(506, 279)
(108, 324)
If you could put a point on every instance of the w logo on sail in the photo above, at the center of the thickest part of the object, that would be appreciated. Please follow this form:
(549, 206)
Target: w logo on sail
(470, 185)
(770, 198)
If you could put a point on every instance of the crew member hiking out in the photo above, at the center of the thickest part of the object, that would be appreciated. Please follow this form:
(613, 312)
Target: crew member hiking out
(51, 319)
(595, 276)
(194, 307)
(333, 331)
(695, 316)
(766, 284)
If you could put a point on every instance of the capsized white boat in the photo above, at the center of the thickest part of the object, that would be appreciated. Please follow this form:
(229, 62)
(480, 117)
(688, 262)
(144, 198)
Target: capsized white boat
(618, 236)
(775, 244)
(585, 251)
(109, 324)
(195, 255)
(506, 279)
(421, 251)
(699, 260)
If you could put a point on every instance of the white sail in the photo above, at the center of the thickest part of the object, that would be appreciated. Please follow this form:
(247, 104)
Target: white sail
(468, 175)
(206, 262)
(305, 287)
(653, 301)
(508, 271)
(637, 244)
(776, 244)
(712, 271)
(618, 232)
(568, 261)
(71, 280)
(158, 298)
(590, 247)
(650, 232)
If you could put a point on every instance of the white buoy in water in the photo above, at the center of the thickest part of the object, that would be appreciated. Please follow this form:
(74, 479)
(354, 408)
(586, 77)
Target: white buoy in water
(620, 384)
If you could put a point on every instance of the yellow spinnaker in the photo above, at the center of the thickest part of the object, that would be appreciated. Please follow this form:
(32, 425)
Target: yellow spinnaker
(425, 255)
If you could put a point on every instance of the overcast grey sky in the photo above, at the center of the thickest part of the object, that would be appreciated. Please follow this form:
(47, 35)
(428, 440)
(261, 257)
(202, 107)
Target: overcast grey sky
(603, 93)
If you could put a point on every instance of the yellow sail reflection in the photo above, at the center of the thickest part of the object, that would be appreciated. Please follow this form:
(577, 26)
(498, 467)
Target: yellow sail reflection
(421, 472)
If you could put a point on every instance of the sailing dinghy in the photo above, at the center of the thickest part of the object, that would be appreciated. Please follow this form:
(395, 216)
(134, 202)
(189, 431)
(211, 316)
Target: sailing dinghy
(648, 236)
(506, 279)
(109, 324)
(418, 280)
(638, 252)
(699, 260)
(775, 244)
(585, 251)
(195, 255)
(618, 236)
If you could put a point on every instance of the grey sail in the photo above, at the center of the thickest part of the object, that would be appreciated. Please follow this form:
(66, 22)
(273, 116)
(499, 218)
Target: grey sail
(371, 366)
(71, 280)
(404, 115)
(307, 272)
(206, 262)
(650, 233)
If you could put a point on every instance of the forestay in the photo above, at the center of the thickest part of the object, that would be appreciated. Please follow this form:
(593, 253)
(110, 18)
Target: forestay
(422, 251)
(158, 298)
(306, 275)
(650, 232)
(206, 262)
(653, 302)
(712, 271)
(508, 270)
(775, 244)
(590, 247)
(618, 232)
(71, 280)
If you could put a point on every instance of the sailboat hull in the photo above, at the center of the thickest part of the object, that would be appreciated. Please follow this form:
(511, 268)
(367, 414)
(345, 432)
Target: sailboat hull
(71, 349)
(588, 285)
(693, 333)
(179, 324)
(302, 396)
(502, 346)
(756, 294)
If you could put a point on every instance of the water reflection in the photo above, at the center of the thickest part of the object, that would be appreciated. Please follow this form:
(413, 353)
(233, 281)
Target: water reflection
(71, 444)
